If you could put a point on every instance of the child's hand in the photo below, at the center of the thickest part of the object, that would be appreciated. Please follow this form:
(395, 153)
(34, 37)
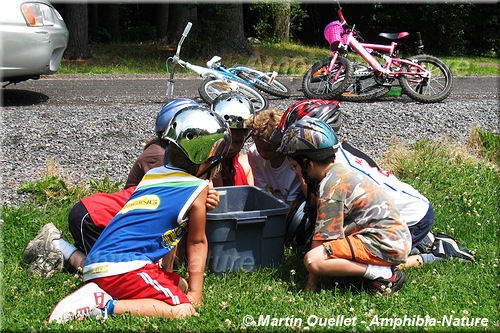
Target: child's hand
(167, 262)
(310, 287)
(183, 285)
(311, 284)
(195, 298)
(212, 199)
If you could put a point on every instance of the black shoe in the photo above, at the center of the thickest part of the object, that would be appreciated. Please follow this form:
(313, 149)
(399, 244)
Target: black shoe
(447, 247)
(426, 244)
(382, 286)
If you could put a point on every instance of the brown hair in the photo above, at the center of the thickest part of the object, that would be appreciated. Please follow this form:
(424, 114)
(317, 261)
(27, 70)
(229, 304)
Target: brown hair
(156, 141)
(264, 123)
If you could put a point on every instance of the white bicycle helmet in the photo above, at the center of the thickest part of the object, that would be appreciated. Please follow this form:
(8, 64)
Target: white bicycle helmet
(234, 108)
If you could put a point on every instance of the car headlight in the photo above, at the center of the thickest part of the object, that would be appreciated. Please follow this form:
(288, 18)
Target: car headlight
(37, 14)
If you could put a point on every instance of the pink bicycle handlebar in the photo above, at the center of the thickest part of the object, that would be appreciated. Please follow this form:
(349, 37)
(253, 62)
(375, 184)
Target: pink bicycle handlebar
(341, 17)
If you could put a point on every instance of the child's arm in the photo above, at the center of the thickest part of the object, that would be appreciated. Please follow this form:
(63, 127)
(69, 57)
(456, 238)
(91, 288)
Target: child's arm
(197, 247)
(243, 159)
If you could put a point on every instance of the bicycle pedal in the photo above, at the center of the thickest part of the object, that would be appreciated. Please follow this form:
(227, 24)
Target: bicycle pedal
(363, 74)
(273, 76)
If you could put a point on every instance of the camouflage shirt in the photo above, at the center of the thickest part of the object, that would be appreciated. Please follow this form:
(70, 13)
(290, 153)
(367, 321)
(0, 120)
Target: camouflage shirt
(349, 203)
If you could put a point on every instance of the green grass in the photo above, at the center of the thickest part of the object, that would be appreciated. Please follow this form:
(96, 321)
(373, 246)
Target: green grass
(463, 184)
(150, 57)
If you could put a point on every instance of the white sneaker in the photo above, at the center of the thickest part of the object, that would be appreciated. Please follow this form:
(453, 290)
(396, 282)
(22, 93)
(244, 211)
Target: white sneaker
(88, 301)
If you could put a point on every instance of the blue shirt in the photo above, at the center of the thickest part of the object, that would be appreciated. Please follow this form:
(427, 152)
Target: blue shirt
(149, 226)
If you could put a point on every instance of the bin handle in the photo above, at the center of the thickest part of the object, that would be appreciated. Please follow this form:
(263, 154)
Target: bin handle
(251, 220)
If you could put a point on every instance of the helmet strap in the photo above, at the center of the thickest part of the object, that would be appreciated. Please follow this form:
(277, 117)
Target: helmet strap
(165, 160)
(308, 211)
(312, 185)
(214, 163)
(304, 165)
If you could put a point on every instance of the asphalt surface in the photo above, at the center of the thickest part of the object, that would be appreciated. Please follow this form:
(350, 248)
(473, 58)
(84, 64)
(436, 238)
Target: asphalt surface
(82, 90)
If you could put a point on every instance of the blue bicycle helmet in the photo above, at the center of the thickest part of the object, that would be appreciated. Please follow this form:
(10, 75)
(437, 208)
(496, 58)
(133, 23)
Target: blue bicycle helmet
(168, 111)
(309, 137)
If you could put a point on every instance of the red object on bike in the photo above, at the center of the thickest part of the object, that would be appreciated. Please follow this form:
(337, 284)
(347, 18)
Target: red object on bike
(334, 34)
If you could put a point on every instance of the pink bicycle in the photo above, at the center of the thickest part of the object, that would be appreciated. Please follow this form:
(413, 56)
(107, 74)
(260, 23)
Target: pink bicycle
(422, 77)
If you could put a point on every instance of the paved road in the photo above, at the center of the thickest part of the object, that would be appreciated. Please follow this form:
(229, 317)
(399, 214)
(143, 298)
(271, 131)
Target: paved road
(90, 126)
(103, 90)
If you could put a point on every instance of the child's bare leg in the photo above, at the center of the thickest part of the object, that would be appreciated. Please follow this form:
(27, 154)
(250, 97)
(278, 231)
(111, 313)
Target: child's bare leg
(77, 260)
(318, 262)
(153, 308)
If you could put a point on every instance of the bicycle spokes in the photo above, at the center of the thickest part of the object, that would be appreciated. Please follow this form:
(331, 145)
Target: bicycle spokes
(424, 78)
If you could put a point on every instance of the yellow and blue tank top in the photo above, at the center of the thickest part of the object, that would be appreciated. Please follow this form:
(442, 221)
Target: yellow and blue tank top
(149, 226)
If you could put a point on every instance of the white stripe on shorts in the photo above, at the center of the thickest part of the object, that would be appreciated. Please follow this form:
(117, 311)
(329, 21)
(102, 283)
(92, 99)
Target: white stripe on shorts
(145, 276)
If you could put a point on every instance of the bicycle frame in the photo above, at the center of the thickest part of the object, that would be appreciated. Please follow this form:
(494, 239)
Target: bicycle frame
(233, 71)
(365, 50)
(423, 77)
(204, 72)
(216, 79)
(392, 67)
(221, 73)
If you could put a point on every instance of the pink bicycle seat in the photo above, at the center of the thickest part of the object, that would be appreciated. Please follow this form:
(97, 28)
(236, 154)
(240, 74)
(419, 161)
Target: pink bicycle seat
(393, 35)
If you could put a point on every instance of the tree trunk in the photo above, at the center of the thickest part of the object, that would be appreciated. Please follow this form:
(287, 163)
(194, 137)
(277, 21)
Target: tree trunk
(230, 36)
(281, 18)
(77, 22)
(179, 16)
(93, 22)
(111, 21)
(162, 20)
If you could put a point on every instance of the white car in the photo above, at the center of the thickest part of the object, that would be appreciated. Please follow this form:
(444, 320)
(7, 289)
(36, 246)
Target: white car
(33, 36)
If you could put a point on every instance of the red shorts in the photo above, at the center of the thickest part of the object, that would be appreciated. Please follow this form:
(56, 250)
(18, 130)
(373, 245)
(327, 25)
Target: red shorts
(149, 281)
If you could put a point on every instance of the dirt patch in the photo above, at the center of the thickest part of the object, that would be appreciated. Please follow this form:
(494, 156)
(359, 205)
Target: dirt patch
(488, 64)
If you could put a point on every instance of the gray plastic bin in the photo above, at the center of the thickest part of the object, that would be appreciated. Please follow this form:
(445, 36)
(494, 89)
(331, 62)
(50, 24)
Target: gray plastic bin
(246, 230)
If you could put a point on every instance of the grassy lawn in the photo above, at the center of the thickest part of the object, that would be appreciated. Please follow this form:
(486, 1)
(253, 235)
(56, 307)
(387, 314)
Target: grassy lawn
(462, 183)
(150, 58)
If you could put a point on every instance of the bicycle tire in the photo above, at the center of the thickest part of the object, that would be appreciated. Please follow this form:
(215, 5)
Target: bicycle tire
(364, 90)
(261, 81)
(210, 88)
(364, 86)
(315, 84)
(427, 90)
